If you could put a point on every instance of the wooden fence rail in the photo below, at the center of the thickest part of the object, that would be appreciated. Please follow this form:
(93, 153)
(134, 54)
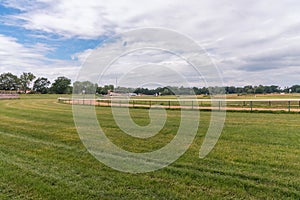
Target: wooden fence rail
(9, 96)
(289, 105)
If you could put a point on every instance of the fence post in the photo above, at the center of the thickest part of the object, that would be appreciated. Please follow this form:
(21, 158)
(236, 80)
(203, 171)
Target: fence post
(150, 104)
(169, 104)
(251, 105)
(289, 106)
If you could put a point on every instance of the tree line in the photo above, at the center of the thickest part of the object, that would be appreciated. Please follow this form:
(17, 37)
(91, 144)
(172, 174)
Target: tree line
(29, 83)
(249, 89)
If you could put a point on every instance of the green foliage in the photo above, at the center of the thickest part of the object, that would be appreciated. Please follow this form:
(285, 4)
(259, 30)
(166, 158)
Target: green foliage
(8, 81)
(161, 91)
(41, 85)
(85, 87)
(105, 89)
(61, 85)
(249, 89)
(295, 89)
(25, 80)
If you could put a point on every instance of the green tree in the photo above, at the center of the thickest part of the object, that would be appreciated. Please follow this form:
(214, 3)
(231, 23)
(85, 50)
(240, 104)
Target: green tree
(41, 85)
(259, 89)
(295, 89)
(105, 89)
(25, 80)
(8, 81)
(249, 89)
(61, 85)
(85, 87)
(274, 88)
(230, 90)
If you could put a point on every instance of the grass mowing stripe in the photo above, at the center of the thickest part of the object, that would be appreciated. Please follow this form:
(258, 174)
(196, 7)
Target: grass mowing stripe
(39, 141)
(236, 180)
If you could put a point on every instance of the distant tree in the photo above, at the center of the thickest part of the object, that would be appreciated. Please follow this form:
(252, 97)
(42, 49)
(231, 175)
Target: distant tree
(8, 81)
(85, 87)
(124, 89)
(25, 81)
(41, 85)
(249, 89)
(145, 91)
(295, 89)
(105, 89)
(230, 90)
(166, 91)
(61, 85)
(274, 89)
(259, 89)
(240, 90)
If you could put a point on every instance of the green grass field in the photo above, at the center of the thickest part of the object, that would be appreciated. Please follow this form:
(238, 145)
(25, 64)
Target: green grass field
(42, 157)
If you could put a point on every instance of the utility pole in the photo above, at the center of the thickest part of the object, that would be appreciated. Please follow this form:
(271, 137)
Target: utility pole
(116, 82)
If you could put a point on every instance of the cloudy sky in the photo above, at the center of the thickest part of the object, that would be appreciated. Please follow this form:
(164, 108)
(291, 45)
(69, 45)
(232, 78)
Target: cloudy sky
(252, 42)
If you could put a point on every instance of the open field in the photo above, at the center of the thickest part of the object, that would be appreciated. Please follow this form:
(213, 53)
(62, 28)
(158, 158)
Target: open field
(42, 157)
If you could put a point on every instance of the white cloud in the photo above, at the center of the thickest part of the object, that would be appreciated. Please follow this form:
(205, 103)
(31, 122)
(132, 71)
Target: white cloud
(247, 39)
(83, 19)
(17, 58)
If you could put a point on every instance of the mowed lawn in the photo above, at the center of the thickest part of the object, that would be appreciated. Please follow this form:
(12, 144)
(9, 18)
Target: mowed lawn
(42, 157)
